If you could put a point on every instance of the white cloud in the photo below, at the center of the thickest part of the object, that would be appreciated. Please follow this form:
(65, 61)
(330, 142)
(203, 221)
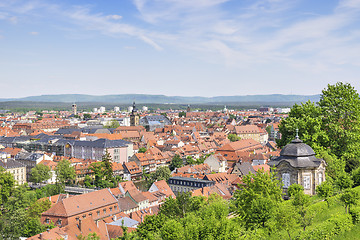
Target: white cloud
(114, 17)
(34, 33)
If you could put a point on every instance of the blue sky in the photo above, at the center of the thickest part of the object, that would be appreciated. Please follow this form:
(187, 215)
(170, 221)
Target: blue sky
(177, 47)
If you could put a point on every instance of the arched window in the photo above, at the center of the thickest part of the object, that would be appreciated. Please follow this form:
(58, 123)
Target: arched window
(286, 180)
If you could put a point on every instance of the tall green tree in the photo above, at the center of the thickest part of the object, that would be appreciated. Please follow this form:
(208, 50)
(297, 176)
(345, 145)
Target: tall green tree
(256, 201)
(64, 172)
(307, 117)
(176, 162)
(325, 190)
(107, 162)
(7, 184)
(340, 105)
(333, 124)
(349, 198)
(161, 173)
(40, 173)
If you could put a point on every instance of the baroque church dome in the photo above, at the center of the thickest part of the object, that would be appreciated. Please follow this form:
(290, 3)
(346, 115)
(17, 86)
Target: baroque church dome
(297, 149)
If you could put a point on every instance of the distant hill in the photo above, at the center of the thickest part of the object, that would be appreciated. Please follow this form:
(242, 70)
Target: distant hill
(162, 99)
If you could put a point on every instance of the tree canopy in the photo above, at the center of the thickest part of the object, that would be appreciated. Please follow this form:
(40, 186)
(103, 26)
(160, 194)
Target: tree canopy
(40, 173)
(64, 172)
(333, 124)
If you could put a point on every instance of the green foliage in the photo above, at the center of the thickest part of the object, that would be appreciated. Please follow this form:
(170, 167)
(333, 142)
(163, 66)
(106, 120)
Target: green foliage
(306, 117)
(182, 114)
(233, 137)
(190, 160)
(301, 202)
(355, 214)
(325, 190)
(87, 116)
(344, 181)
(38, 207)
(355, 175)
(295, 189)
(268, 129)
(103, 172)
(349, 198)
(286, 218)
(332, 227)
(49, 190)
(335, 166)
(88, 181)
(176, 162)
(40, 173)
(257, 199)
(112, 124)
(202, 220)
(333, 124)
(90, 236)
(142, 150)
(7, 184)
(340, 104)
(20, 216)
(161, 173)
(107, 163)
(64, 172)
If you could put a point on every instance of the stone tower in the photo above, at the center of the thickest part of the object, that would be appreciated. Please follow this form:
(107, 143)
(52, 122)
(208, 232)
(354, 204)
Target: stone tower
(74, 109)
(134, 117)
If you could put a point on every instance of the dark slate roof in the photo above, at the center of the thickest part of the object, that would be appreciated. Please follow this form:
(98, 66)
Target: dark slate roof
(63, 131)
(191, 179)
(156, 118)
(298, 155)
(15, 139)
(10, 163)
(245, 168)
(102, 143)
(297, 149)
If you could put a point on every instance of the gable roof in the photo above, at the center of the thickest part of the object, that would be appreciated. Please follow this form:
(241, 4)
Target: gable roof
(81, 203)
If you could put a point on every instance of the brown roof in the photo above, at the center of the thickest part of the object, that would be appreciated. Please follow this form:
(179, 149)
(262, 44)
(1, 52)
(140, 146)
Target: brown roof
(72, 231)
(125, 204)
(164, 188)
(81, 203)
(136, 195)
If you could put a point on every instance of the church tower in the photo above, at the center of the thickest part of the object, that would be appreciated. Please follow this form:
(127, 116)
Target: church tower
(74, 109)
(134, 118)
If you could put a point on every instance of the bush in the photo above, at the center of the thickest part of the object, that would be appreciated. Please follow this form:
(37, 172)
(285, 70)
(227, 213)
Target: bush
(333, 226)
(355, 214)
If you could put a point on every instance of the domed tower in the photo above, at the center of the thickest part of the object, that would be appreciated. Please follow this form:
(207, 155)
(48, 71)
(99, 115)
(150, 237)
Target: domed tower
(134, 117)
(297, 163)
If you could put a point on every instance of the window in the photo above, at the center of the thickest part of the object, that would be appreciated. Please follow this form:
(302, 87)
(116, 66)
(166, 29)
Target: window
(307, 182)
(104, 211)
(77, 219)
(320, 178)
(90, 214)
(59, 222)
(98, 213)
(47, 220)
(286, 180)
(84, 216)
(115, 207)
(110, 209)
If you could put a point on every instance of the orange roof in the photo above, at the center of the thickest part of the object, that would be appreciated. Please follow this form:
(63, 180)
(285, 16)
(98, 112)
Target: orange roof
(81, 203)
(265, 167)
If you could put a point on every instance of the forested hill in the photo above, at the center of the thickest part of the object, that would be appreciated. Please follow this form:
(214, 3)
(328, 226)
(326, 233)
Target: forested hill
(146, 98)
